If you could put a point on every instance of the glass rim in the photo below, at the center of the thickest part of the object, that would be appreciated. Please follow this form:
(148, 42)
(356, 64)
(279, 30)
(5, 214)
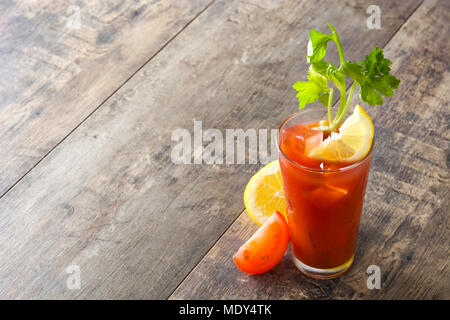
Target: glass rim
(350, 166)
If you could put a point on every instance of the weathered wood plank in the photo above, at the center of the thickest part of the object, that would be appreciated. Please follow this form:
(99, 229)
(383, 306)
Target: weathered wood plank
(109, 198)
(405, 224)
(54, 75)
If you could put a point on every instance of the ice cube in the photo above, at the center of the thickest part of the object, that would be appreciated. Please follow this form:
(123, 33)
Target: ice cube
(297, 141)
(326, 195)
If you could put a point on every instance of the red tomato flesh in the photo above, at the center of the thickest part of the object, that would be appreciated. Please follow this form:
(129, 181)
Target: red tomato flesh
(265, 248)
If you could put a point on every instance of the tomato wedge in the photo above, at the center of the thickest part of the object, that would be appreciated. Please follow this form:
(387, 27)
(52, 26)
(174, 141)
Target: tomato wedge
(265, 248)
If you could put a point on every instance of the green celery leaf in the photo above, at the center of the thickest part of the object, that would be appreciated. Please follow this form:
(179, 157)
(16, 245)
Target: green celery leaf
(354, 70)
(372, 74)
(317, 45)
(329, 71)
(316, 88)
(321, 67)
(369, 95)
(323, 99)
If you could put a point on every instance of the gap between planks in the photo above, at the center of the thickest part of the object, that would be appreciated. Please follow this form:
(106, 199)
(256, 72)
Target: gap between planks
(107, 98)
(206, 253)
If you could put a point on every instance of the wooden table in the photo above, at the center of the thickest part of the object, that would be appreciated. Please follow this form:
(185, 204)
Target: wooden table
(87, 112)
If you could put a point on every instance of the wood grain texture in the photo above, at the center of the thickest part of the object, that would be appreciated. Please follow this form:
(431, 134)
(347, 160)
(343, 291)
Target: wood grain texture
(54, 75)
(405, 223)
(109, 198)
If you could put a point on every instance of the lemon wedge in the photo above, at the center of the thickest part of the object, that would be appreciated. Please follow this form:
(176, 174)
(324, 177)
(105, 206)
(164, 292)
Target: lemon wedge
(351, 144)
(264, 193)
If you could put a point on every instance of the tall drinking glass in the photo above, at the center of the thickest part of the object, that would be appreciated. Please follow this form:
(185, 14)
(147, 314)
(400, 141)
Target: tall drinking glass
(323, 201)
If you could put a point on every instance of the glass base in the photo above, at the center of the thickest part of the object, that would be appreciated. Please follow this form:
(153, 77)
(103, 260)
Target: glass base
(317, 273)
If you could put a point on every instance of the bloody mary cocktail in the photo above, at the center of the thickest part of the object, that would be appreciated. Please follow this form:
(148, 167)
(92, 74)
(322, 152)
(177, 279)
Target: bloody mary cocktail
(323, 200)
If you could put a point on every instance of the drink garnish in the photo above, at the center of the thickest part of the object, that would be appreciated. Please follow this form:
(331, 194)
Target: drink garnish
(371, 74)
(352, 143)
(264, 193)
(265, 248)
(315, 145)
